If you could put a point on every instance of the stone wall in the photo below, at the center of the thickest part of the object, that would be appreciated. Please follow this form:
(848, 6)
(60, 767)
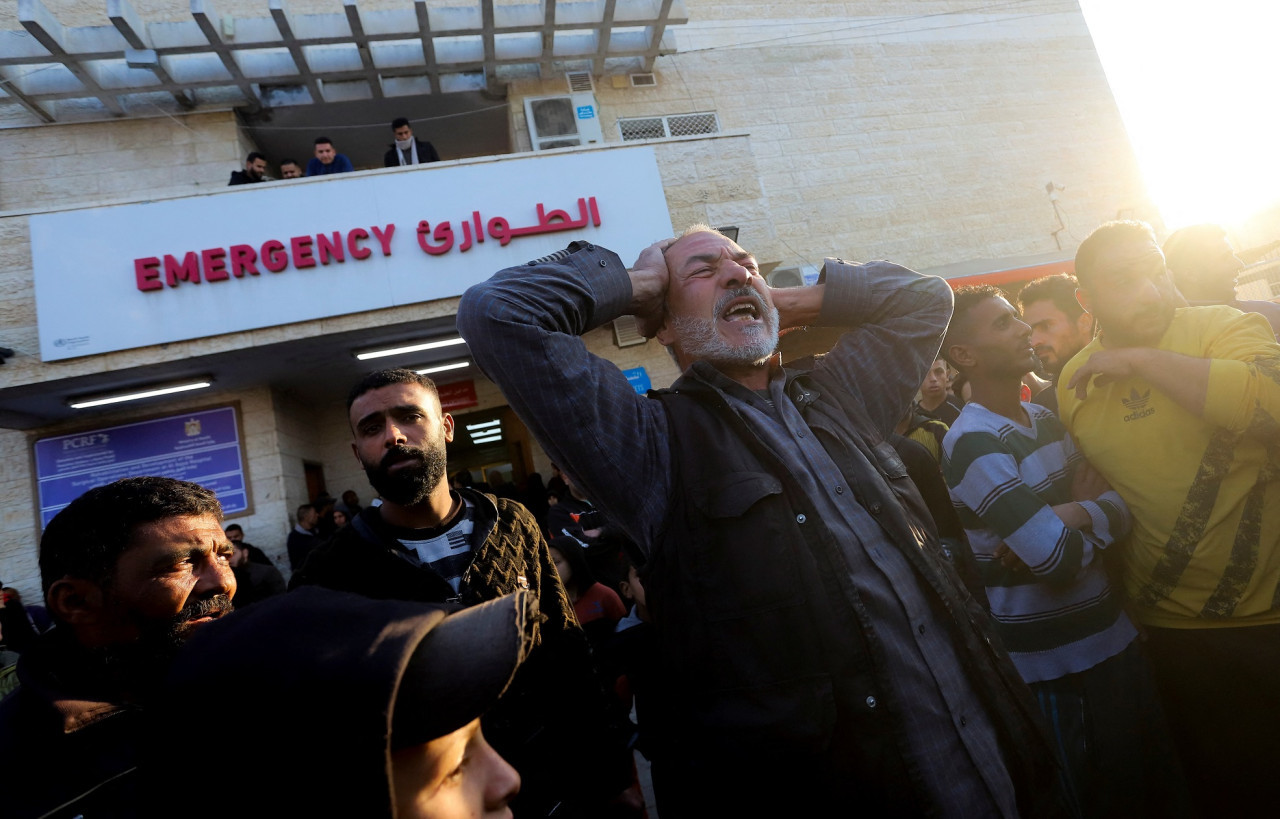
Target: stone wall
(921, 132)
(91, 163)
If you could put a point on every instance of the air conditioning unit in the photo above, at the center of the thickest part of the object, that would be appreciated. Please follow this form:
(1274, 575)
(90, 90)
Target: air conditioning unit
(563, 121)
(626, 333)
(786, 277)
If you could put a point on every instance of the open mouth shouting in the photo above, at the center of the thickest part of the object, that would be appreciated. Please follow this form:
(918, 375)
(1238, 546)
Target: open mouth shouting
(742, 304)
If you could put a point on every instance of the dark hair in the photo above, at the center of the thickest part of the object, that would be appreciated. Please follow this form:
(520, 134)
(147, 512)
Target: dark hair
(235, 526)
(1103, 239)
(86, 538)
(399, 122)
(1185, 248)
(324, 141)
(583, 578)
(385, 378)
(967, 298)
(1060, 288)
(306, 507)
(284, 162)
(254, 156)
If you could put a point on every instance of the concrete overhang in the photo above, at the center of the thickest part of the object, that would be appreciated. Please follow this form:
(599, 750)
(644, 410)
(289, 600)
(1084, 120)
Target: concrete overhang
(307, 368)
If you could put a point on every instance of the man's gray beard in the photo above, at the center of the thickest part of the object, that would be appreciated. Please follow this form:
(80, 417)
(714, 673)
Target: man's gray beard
(409, 485)
(699, 340)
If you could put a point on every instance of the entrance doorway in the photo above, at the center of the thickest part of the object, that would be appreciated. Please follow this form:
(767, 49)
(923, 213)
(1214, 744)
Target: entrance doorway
(489, 441)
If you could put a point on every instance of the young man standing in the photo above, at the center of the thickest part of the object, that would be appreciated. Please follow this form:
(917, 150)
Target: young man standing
(1038, 517)
(1180, 409)
(933, 395)
(1060, 327)
(431, 544)
(408, 150)
(327, 160)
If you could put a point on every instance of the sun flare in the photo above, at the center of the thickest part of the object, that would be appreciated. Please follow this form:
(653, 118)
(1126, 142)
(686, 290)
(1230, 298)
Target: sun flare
(1193, 82)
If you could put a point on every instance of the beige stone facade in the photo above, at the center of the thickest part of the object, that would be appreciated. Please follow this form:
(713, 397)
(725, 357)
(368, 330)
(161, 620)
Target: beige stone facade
(920, 131)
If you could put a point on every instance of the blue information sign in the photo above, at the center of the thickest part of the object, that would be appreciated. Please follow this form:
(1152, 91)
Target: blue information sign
(586, 112)
(639, 379)
(202, 447)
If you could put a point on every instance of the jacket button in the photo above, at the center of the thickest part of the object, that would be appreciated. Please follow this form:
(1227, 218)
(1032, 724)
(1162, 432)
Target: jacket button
(839, 490)
(800, 518)
(871, 702)
(876, 507)
(603, 263)
(964, 721)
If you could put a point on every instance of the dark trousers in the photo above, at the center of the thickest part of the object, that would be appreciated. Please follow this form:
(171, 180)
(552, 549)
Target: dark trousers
(1221, 693)
(1118, 759)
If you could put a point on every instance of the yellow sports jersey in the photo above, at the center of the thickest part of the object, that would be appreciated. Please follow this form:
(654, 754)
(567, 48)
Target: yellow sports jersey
(1204, 491)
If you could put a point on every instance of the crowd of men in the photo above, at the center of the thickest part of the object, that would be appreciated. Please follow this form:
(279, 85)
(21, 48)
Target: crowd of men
(1089, 626)
(405, 150)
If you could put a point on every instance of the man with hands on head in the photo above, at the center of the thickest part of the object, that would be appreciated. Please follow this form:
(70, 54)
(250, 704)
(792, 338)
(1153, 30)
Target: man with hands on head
(1178, 407)
(813, 646)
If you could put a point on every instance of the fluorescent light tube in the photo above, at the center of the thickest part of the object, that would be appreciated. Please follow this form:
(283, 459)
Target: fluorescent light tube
(411, 348)
(439, 368)
(135, 396)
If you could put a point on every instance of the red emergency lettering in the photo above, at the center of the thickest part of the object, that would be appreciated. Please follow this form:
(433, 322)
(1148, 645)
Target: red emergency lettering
(147, 272)
(187, 271)
(329, 248)
(356, 236)
(274, 257)
(242, 261)
(215, 264)
(384, 237)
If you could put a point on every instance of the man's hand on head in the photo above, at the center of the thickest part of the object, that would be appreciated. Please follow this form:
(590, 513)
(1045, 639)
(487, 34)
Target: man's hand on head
(649, 279)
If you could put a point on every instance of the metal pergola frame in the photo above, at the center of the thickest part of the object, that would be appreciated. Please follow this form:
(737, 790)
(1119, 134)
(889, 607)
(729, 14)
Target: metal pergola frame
(287, 58)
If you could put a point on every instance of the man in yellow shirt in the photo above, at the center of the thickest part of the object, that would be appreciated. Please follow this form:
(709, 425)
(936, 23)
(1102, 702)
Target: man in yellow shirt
(1178, 408)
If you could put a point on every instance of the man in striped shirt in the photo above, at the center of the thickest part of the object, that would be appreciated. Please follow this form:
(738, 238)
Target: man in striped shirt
(1180, 409)
(1038, 517)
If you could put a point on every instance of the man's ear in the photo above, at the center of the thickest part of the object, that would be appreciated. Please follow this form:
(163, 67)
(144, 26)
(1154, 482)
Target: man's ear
(960, 355)
(356, 452)
(448, 428)
(1084, 324)
(1082, 299)
(75, 601)
(666, 335)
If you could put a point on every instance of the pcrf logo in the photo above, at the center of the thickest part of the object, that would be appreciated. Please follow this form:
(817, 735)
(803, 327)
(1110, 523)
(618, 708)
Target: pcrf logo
(85, 441)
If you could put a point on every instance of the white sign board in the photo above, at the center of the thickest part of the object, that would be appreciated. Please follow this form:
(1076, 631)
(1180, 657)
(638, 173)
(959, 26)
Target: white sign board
(124, 276)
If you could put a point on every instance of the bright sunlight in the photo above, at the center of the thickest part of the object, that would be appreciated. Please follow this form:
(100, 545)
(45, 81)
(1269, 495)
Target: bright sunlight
(1195, 80)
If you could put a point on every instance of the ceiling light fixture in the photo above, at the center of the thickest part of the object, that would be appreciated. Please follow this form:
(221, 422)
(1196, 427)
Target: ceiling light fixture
(486, 439)
(439, 368)
(411, 348)
(483, 424)
(117, 398)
